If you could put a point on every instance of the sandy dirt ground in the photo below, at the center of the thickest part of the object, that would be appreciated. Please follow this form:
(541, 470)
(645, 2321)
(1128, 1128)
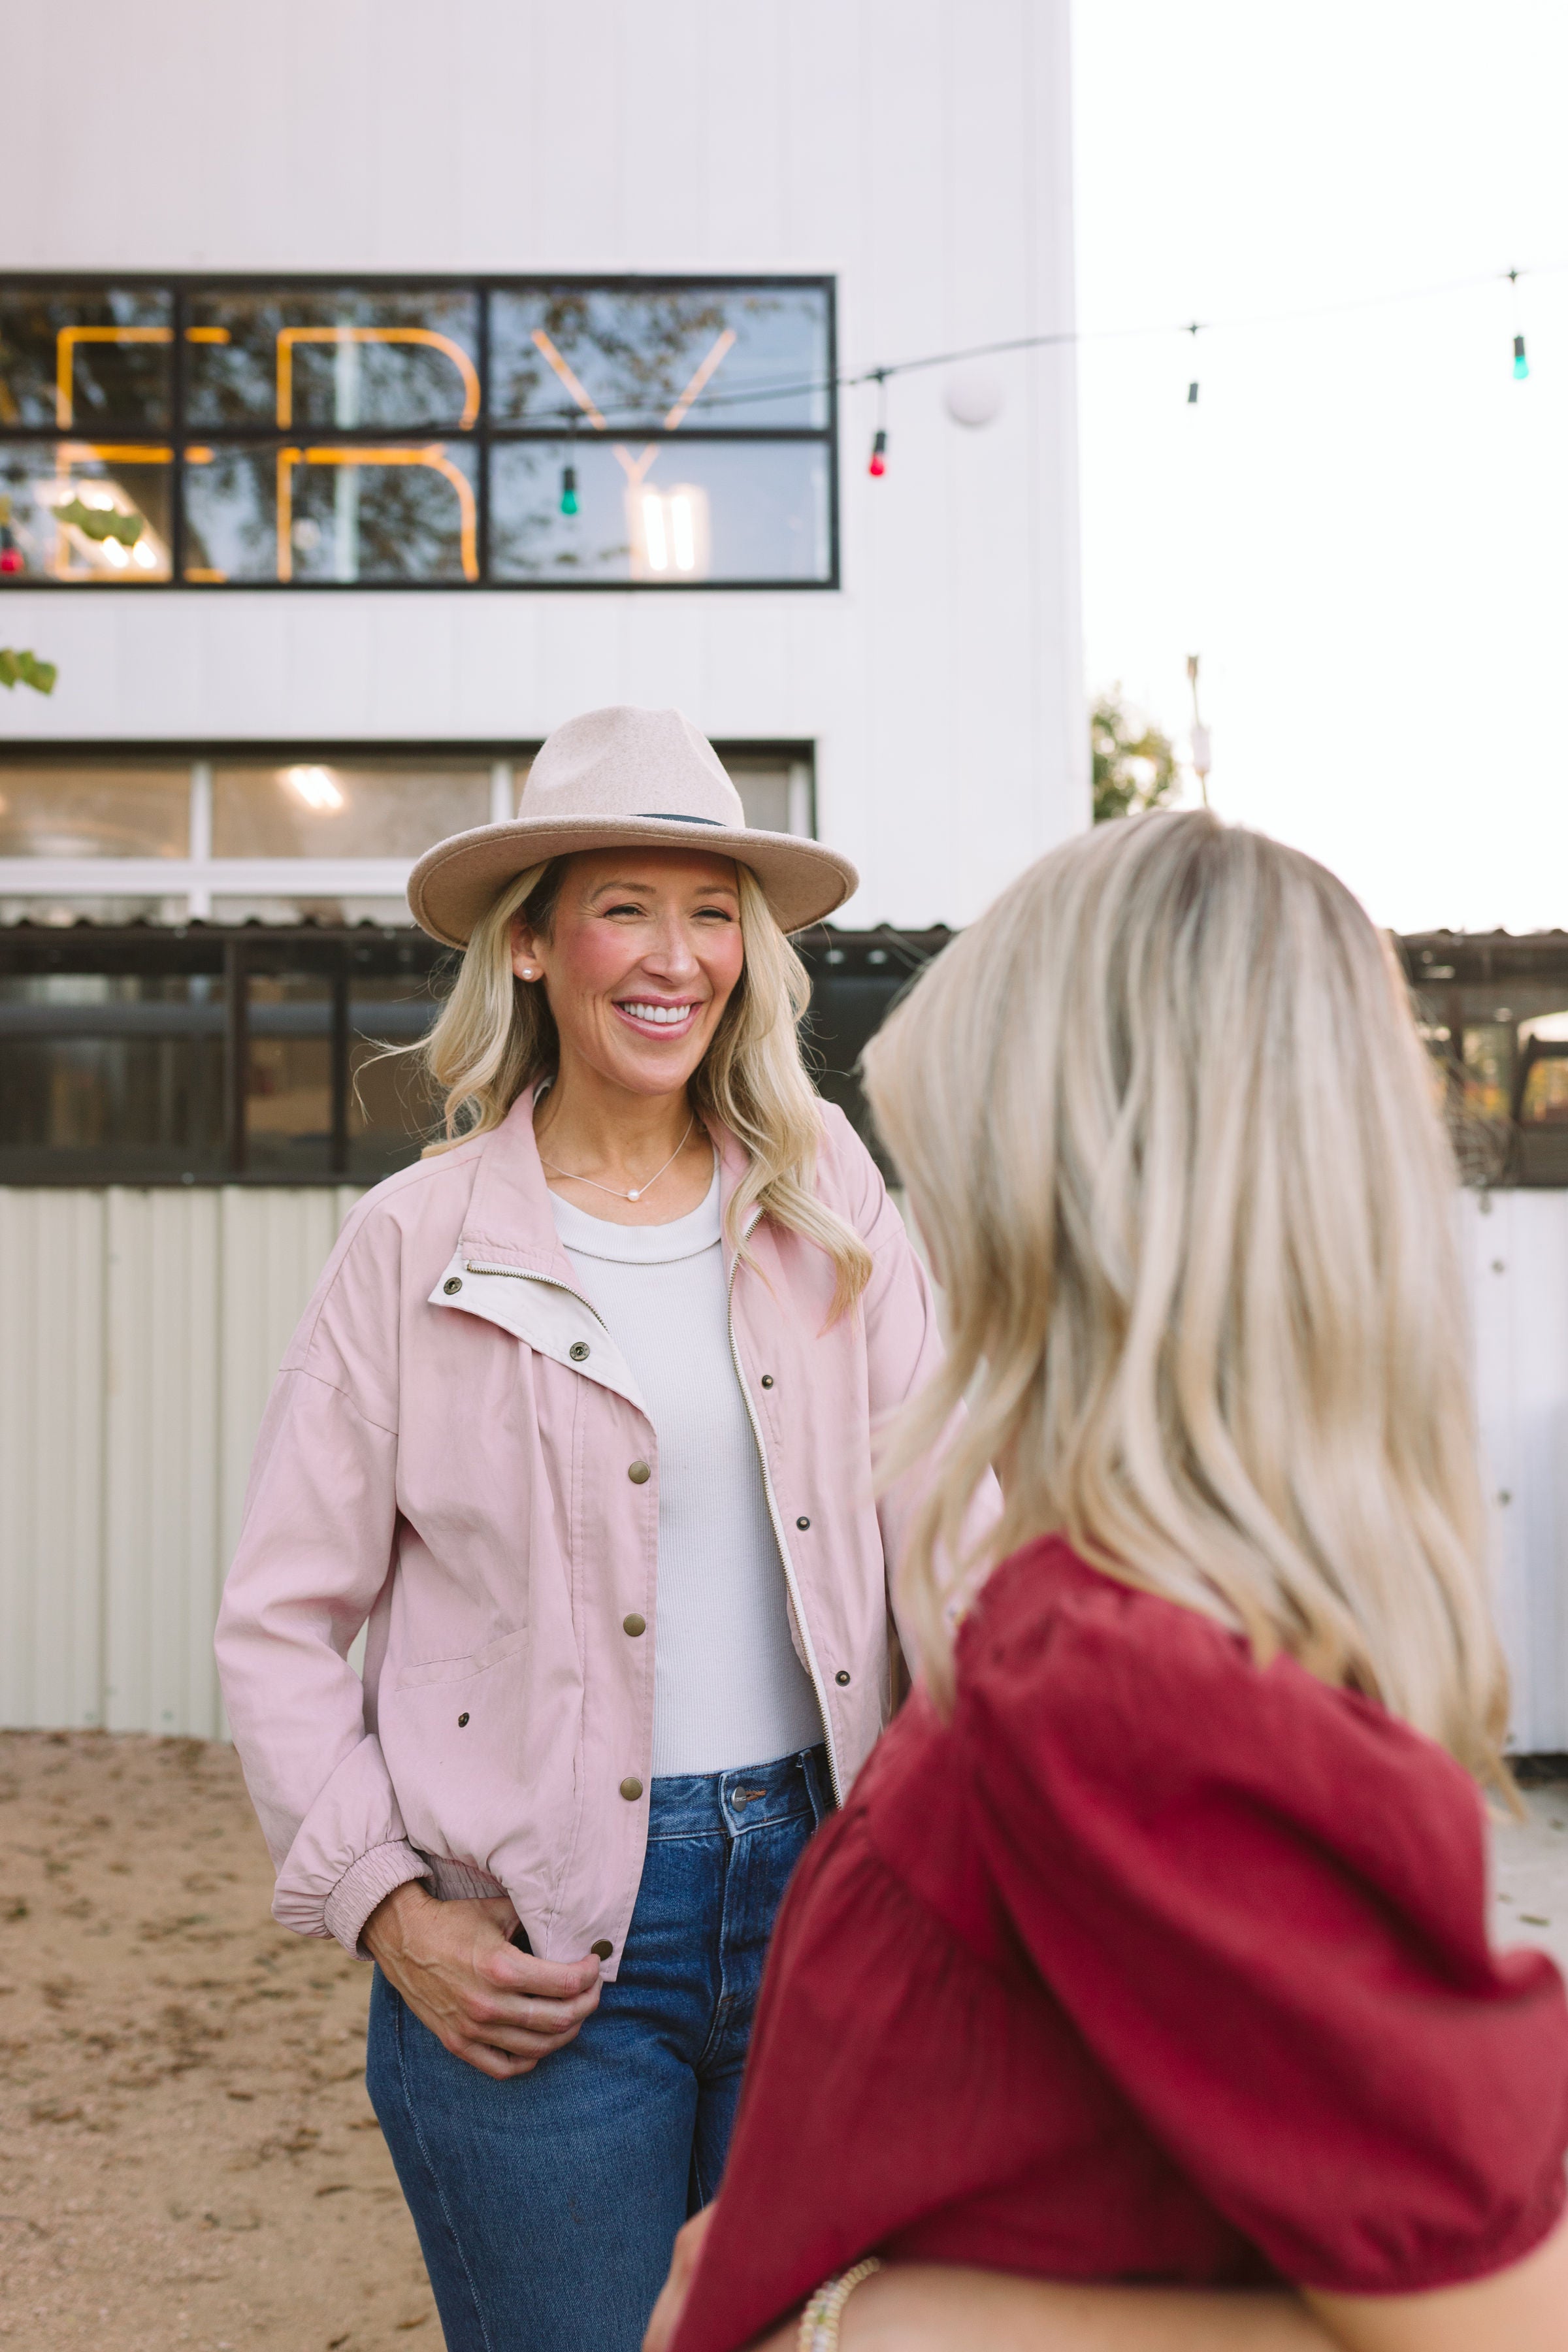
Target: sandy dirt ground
(187, 2155)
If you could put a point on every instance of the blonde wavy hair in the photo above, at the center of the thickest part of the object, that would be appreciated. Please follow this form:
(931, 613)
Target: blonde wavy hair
(496, 1035)
(1167, 1125)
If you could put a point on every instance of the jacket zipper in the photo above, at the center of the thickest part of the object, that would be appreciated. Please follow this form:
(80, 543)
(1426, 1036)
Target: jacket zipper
(795, 1593)
(520, 1274)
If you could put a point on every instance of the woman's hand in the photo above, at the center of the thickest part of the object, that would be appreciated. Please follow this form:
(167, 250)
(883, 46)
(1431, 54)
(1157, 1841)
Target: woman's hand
(498, 2008)
(672, 2295)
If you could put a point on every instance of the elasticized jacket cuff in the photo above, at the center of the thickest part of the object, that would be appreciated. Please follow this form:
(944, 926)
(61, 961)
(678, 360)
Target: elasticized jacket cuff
(366, 1882)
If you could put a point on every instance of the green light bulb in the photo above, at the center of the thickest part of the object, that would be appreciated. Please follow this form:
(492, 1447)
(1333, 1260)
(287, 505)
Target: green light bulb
(569, 491)
(1521, 364)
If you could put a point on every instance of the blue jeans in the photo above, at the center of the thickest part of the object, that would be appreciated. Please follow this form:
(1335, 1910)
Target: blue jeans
(546, 2205)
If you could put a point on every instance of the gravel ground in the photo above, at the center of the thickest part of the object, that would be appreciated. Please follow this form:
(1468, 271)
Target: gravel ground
(187, 2155)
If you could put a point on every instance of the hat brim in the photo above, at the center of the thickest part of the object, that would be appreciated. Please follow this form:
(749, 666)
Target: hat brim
(454, 882)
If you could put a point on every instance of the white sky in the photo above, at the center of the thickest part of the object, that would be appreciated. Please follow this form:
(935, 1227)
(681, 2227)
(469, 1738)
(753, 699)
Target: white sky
(1362, 527)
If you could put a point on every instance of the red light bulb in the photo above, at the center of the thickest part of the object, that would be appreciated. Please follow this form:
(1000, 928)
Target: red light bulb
(11, 559)
(879, 465)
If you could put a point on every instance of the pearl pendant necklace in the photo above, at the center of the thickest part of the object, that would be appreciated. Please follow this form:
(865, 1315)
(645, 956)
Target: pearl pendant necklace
(613, 1191)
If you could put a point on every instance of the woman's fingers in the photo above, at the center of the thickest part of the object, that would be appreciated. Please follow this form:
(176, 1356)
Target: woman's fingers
(474, 1989)
(496, 2063)
(561, 1980)
(521, 2039)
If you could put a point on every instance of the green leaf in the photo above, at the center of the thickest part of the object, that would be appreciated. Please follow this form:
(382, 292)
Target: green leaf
(27, 670)
(100, 522)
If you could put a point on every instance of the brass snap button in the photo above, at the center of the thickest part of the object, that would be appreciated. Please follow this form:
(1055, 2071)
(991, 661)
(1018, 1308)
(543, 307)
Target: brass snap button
(579, 1351)
(602, 1948)
(639, 1473)
(461, 1720)
(452, 1285)
(631, 1790)
(634, 1625)
(842, 1676)
(803, 1523)
(767, 1379)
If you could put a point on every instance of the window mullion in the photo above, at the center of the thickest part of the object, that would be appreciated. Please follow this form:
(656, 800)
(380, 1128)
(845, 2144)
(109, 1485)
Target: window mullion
(199, 901)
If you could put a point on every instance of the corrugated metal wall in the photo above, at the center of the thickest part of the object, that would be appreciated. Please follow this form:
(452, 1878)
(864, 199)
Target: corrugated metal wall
(1516, 1263)
(143, 1330)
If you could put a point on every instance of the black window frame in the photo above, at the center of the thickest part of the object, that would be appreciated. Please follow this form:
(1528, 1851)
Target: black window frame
(856, 978)
(483, 437)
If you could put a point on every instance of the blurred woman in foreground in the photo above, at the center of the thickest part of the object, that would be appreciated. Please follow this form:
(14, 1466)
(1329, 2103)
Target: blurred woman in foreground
(1140, 1996)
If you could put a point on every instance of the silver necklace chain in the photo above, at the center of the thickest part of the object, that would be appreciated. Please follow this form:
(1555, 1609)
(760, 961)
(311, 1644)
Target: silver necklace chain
(613, 1191)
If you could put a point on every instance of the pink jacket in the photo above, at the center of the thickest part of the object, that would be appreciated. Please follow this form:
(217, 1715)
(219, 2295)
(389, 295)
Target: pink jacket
(456, 1450)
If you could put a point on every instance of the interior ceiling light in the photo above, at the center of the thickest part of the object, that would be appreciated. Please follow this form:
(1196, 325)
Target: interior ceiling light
(316, 789)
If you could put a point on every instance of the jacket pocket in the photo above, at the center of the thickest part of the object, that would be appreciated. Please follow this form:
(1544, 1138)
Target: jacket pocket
(457, 1670)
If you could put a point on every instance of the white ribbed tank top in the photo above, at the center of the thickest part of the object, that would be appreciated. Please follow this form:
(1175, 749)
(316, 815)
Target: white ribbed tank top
(728, 1688)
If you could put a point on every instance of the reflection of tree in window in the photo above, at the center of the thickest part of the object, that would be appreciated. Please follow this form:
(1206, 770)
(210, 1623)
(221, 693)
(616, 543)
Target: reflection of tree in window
(527, 531)
(237, 373)
(409, 520)
(636, 353)
(110, 383)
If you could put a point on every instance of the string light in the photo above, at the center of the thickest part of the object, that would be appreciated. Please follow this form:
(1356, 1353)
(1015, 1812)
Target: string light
(1192, 386)
(568, 490)
(879, 465)
(1069, 337)
(12, 560)
(1521, 364)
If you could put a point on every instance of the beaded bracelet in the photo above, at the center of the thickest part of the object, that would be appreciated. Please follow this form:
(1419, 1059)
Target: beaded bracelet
(819, 2320)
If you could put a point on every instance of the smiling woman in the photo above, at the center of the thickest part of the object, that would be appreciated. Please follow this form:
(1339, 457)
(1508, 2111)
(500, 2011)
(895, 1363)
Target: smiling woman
(632, 1318)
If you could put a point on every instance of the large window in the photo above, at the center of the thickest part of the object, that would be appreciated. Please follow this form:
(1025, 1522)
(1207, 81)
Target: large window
(1493, 1009)
(286, 834)
(548, 434)
(130, 1055)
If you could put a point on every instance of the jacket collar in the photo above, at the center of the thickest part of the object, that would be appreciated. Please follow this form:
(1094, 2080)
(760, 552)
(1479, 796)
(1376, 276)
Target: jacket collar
(509, 1217)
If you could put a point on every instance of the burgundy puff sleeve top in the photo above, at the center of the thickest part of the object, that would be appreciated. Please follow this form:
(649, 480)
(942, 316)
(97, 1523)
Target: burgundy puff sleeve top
(1151, 1964)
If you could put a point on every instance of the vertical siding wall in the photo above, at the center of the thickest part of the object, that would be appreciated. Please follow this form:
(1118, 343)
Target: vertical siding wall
(143, 1330)
(1516, 1265)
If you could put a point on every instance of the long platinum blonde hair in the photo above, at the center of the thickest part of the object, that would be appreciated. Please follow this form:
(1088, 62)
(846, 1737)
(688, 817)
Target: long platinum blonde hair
(496, 1035)
(1167, 1127)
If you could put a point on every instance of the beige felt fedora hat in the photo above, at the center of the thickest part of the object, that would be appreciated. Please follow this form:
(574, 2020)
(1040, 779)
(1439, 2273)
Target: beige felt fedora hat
(623, 775)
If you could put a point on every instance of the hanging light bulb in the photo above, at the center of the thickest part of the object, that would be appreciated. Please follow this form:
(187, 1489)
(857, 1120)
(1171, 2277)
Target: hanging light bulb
(879, 465)
(12, 560)
(569, 491)
(1191, 388)
(1521, 364)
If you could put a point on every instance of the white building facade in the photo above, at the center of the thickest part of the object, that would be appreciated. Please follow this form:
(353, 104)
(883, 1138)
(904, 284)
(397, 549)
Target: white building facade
(913, 157)
(380, 386)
